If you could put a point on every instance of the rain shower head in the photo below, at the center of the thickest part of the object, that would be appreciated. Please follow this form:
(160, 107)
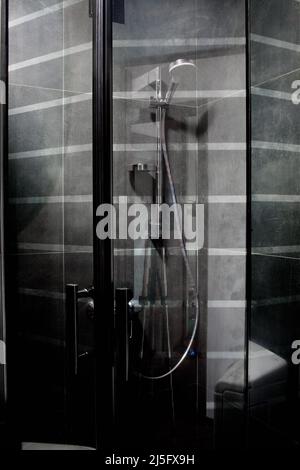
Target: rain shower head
(177, 70)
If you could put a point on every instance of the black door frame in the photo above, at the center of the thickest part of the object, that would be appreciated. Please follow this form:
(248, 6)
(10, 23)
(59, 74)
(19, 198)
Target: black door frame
(103, 194)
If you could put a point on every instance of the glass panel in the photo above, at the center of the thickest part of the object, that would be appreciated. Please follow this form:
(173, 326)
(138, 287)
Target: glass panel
(275, 326)
(50, 165)
(179, 139)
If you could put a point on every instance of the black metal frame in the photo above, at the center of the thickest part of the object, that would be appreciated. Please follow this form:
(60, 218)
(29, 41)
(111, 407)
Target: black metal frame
(103, 194)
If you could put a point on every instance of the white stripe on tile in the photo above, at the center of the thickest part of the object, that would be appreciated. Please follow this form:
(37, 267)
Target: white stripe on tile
(51, 248)
(173, 250)
(2, 92)
(146, 95)
(176, 147)
(226, 304)
(280, 95)
(55, 248)
(279, 146)
(42, 12)
(276, 198)
(176, 42)
(128, 148)
(275, 42)
(42, 293)
(227, 199)
(276, 249)
(130, 43)
(131, 200)
(50, 104)
(51, 151)
(226, 252)
(51, 199)
(211, 304)
(2, 353)
(276, 301)
(225, 355)
(51, 56)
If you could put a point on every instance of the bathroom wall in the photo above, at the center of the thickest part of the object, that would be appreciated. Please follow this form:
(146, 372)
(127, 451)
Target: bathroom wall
(50, 166)
(207, 141)
(275, 322)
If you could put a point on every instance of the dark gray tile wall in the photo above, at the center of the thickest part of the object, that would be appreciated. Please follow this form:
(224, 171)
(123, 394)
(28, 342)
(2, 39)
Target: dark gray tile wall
(275, 168)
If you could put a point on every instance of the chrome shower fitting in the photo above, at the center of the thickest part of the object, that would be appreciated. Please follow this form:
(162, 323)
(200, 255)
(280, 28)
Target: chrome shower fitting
(177, 72)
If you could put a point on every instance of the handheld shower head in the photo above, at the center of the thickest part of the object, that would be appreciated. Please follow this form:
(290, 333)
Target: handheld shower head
(177, 70)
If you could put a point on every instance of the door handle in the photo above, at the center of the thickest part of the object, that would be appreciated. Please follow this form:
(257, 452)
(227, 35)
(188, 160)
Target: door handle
(73, 294)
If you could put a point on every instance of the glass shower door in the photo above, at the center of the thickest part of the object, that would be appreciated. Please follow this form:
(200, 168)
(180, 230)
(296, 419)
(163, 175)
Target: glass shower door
(178, 222)
(51, 218)
(275, 167)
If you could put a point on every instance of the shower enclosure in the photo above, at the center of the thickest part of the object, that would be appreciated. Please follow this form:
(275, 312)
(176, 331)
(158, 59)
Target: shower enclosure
(124, 332)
